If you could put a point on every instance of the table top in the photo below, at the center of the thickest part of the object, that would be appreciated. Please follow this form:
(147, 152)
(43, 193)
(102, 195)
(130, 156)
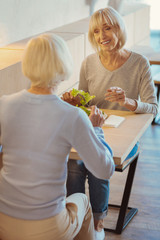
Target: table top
(123, 138)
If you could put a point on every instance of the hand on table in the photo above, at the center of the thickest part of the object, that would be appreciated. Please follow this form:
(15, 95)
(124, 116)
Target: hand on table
(96, 117)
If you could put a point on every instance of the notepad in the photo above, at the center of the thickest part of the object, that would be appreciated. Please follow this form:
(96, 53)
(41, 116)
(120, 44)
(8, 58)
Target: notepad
(113, 121)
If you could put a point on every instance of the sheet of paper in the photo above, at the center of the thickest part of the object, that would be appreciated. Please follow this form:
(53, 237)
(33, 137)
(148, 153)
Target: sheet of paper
(113, 121)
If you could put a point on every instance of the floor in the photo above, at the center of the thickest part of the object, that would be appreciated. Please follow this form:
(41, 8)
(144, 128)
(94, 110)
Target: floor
(145, 193)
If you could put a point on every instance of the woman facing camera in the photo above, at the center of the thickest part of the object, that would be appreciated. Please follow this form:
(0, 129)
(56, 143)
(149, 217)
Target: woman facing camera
(37, 131)
(120, 79)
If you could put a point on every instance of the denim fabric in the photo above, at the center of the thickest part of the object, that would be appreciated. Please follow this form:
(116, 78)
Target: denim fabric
(100, 134)
(133, 151)
(98, 188)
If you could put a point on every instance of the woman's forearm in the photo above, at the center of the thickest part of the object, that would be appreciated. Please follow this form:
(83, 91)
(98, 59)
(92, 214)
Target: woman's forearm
(130, 104)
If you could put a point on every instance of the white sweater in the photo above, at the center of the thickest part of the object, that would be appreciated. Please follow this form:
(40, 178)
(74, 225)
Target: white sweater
(37, 133)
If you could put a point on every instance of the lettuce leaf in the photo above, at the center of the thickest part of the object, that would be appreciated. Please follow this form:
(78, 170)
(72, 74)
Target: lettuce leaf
(85, 96)
(88, 111)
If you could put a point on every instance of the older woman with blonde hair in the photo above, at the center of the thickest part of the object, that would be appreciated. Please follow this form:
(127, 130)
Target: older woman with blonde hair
(120, 79)
(37, 132)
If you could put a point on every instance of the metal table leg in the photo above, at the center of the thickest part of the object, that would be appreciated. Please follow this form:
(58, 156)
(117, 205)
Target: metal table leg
(123, 218)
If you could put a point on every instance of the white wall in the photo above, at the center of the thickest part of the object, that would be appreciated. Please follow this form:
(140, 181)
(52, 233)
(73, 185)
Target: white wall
(20, 19)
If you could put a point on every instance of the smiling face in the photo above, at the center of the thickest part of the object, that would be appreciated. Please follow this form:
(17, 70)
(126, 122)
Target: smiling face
(107, 30)
(105, 37)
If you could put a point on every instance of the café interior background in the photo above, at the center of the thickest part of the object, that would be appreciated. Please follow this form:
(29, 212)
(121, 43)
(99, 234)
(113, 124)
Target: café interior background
(20, 19)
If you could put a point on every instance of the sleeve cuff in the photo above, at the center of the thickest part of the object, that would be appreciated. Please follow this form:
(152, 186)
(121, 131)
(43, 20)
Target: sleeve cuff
(100, 134)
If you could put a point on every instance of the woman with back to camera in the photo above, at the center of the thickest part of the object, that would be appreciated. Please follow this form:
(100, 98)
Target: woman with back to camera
(37, 131)
(120, 79)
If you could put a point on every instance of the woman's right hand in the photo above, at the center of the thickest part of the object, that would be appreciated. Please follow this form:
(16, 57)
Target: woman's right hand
(67, 97)
(116, 94)
(96, 117)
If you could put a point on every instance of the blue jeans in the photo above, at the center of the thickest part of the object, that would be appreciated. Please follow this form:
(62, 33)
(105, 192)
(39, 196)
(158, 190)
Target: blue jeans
(98, 188)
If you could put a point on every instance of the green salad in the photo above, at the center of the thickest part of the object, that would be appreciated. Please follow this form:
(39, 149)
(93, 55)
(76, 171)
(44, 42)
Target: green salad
(85, 98)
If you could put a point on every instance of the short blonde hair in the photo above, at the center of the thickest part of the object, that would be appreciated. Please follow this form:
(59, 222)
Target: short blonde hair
(112, 18)
(47, 60)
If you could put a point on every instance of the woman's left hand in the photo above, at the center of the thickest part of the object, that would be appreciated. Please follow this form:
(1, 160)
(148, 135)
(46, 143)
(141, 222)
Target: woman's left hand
(67, 97)
(96, 117)
(116, 94)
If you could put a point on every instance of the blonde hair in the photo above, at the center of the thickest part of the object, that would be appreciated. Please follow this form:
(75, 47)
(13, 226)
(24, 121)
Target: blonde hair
(47, 60)
(112, 18)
